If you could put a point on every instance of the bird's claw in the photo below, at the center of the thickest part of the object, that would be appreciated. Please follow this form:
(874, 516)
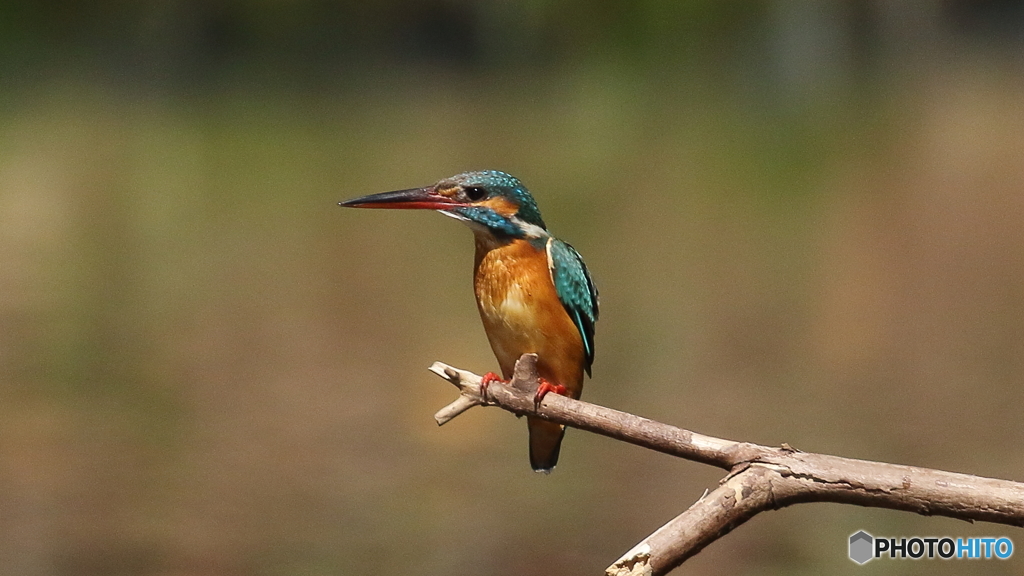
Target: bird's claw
(486, 381)
(542, 390)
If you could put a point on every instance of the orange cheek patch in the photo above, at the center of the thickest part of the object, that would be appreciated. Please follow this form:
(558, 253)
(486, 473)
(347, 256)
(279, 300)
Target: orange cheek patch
(500, 205)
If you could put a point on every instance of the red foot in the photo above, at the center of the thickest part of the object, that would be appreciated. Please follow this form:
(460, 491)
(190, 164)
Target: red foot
(486, 380)
(544, 388)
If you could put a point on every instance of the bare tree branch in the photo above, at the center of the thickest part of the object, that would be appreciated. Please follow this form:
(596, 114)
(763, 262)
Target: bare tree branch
(760, 477)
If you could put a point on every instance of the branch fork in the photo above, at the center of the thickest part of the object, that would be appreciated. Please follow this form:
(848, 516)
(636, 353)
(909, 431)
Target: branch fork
(524, 381)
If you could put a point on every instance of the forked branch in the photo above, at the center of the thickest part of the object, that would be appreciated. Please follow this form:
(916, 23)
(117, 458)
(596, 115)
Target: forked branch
(760, 478)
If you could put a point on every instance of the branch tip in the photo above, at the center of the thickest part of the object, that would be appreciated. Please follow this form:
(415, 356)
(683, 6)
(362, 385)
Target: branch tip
(460, 405)
(524, 375)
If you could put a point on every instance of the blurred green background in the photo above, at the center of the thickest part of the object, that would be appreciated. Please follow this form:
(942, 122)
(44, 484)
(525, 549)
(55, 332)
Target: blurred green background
(806, 220)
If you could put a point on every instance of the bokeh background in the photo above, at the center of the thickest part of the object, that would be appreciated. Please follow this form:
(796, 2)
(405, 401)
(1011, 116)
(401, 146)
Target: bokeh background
(806, 220)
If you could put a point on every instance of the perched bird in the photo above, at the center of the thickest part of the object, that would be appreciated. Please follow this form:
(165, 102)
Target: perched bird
(533, 291)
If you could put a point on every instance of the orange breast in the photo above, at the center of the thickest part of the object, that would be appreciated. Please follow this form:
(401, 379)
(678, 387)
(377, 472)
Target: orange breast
(521, 312)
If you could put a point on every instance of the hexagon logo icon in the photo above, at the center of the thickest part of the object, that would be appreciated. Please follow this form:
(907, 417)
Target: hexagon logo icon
(861, 547)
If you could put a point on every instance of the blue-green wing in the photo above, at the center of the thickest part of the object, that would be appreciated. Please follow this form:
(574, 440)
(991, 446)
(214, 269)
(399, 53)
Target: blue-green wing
(575, 289)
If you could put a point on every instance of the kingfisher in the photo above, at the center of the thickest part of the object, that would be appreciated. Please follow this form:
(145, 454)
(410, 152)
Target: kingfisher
(533, 291)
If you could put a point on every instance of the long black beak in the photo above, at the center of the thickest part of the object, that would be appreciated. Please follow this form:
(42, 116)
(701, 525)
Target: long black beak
(415, 198)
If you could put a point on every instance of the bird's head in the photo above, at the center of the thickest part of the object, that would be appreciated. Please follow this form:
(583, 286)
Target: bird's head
(488, 200)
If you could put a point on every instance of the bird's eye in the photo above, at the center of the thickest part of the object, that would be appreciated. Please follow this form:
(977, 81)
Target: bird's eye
(475, 193)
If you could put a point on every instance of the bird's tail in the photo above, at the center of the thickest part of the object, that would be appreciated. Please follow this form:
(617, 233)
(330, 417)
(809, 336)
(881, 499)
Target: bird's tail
(545, 443)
